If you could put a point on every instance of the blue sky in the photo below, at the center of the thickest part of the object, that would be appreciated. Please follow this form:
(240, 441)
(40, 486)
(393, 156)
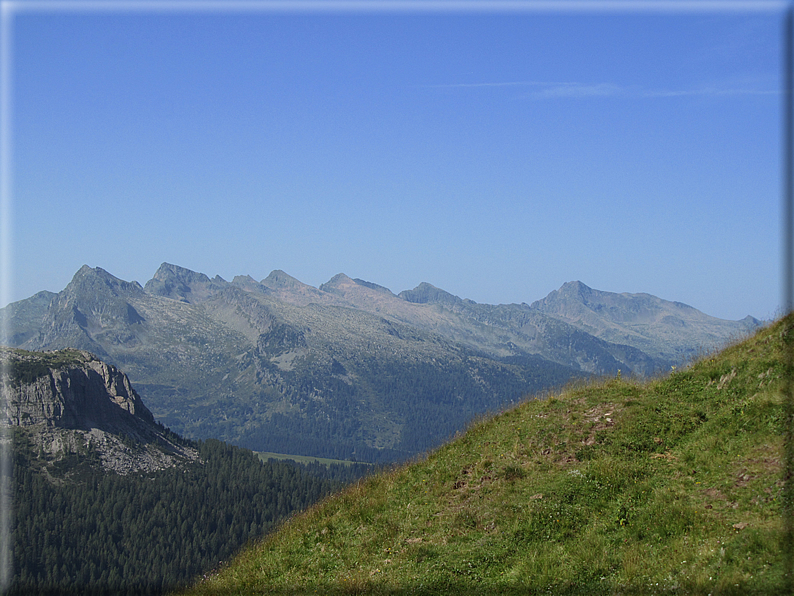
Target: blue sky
(494, 155)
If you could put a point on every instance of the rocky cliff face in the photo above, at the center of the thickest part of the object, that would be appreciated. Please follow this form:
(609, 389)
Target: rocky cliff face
(69, 401)
(81, 392)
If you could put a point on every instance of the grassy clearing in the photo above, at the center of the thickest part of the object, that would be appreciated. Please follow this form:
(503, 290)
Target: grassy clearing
(671, 486)
(303, 459)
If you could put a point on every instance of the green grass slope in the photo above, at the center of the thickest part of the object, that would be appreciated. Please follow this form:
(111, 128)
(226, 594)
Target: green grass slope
(671, 486)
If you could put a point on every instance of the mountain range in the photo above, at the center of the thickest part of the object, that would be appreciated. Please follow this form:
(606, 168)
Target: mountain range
(350, 369)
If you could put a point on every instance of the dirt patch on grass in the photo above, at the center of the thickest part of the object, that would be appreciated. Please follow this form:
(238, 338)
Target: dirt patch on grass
(715, 493)
(668, 456)
(600, 413)
(600, 417)
(764, 462)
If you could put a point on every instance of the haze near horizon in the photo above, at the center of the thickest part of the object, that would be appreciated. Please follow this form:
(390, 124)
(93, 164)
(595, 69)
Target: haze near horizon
(493, 155)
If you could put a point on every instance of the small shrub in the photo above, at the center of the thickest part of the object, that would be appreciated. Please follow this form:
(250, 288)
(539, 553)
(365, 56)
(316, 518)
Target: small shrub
(513, 472)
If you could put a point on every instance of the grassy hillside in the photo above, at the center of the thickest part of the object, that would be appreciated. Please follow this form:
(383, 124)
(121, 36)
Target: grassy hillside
(615, 487)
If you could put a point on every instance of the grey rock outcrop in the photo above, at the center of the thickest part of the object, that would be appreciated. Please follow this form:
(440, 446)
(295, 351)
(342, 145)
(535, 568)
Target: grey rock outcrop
(84, 393)
(69, 401)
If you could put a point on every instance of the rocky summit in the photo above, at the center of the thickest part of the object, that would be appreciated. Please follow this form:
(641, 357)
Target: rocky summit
(69, 402)
(349, 370)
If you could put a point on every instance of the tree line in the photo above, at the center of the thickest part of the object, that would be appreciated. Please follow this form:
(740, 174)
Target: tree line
(85, 531)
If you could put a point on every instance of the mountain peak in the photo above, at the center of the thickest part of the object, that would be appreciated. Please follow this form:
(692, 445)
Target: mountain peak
(337, 283)
(169, 271)
(246, 282)
(278, 280)
(575, 288)
(361, 293)
(179, 283)
(569, 294)
(372, 286)
(577, 285)
(97, 279)
(426, 293)
(751, 322)
(337, 280)
(87, 271)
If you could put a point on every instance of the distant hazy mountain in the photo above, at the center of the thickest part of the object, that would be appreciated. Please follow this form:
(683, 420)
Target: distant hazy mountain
(348, 369)
(663, 329)
(25, 316)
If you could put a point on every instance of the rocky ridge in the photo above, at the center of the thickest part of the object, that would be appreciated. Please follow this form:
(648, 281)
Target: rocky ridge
(663, 329)
(349, 369)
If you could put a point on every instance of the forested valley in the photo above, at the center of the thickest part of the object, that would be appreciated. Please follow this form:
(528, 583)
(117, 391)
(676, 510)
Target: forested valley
(81, 530)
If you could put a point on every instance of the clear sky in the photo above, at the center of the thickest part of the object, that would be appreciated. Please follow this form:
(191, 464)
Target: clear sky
(494, 155)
